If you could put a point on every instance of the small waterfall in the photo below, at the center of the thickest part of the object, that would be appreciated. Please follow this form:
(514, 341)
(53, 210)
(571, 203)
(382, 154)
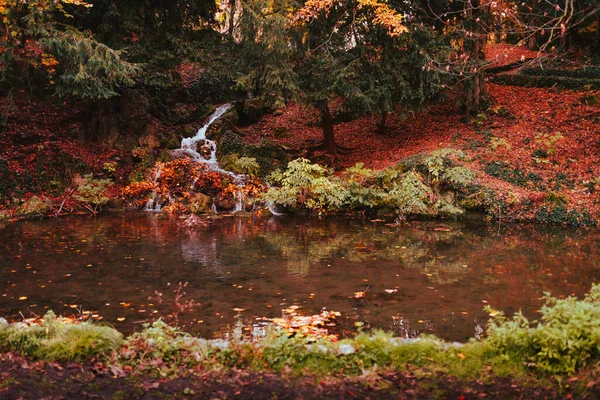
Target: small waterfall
(240, 201)
(189, 146)
(155, 203)
(271, 207)
(202, 150)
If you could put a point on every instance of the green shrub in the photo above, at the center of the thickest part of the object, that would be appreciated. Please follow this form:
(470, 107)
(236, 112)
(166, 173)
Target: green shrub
(566, 338)
(92, 193)
(307, 185)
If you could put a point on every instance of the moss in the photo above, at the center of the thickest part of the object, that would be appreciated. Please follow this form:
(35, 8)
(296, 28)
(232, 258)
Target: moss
(515, 176)
(230, 143)
(269, 157)
(560, 215)
(57, 340)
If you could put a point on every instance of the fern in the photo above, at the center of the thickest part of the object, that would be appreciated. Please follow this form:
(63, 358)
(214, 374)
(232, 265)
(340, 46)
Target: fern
(307, 185)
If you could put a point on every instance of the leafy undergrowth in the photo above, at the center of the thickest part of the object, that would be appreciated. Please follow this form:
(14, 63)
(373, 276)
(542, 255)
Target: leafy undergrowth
(42, 158)
(557, 354)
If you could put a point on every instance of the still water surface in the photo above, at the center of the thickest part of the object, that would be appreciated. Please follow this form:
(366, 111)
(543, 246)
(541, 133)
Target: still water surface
(428, 277)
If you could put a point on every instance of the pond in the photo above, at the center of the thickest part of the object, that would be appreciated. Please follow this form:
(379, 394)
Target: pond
(422, 277)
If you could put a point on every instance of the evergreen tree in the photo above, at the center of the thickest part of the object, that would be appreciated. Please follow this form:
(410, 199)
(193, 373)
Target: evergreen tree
(359, 57)
(39, 43)
(268, 50)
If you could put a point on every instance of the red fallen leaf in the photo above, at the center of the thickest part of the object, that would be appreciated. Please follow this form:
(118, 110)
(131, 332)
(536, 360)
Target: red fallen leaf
(590, 384)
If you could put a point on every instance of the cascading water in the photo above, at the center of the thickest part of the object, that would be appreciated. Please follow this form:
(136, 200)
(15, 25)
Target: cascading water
(155, 202)
(189, 146)
(203, 150)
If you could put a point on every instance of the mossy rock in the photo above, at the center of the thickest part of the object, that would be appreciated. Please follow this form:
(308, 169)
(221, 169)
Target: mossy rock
(200, 203)
(269, 157)
(184, 113)
(253, 110)
(228, 122)
(188, 130)
(172, 144)
(230, 143)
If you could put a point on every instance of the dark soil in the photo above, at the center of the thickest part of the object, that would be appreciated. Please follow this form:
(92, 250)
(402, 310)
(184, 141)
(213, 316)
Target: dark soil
(25, 379)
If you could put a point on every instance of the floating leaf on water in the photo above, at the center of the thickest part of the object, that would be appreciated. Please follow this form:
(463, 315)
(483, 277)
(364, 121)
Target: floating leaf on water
(239, 309)
(390, 291)
(121, 319)
(23, 298)
(359, 295)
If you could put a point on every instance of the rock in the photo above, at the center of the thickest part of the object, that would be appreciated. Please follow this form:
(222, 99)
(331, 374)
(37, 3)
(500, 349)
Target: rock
(134, 104)
(228, 122)
(172, 143)
(200, 203)
(226, 204)
(189, 130)
(204, 149)
(117, 202)
(230, 143)
(109, 130)
(35, 206)
(269, 157)
(182, 113)
(253, 110)
(150, 140)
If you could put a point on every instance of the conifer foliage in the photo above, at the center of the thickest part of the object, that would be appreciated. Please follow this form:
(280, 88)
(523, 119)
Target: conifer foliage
(38, 42)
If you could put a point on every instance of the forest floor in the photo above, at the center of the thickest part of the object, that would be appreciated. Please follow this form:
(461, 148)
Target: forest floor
(22, 378)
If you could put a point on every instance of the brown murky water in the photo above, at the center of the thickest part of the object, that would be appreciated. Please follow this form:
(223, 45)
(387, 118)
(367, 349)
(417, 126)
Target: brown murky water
(429, 277)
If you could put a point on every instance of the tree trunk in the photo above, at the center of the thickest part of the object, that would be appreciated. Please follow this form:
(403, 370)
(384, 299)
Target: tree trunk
(598, 30)
(232, 9)
(328, 133)
(475, 93)
(381, 126)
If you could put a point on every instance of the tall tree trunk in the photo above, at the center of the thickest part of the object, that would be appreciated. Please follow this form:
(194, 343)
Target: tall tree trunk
(328, 133)
(598, 29)
(232, 9)
(381, 126)
(475, 93)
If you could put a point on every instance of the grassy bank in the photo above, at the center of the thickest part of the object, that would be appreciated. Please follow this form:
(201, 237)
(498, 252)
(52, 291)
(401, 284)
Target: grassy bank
(559, 353)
